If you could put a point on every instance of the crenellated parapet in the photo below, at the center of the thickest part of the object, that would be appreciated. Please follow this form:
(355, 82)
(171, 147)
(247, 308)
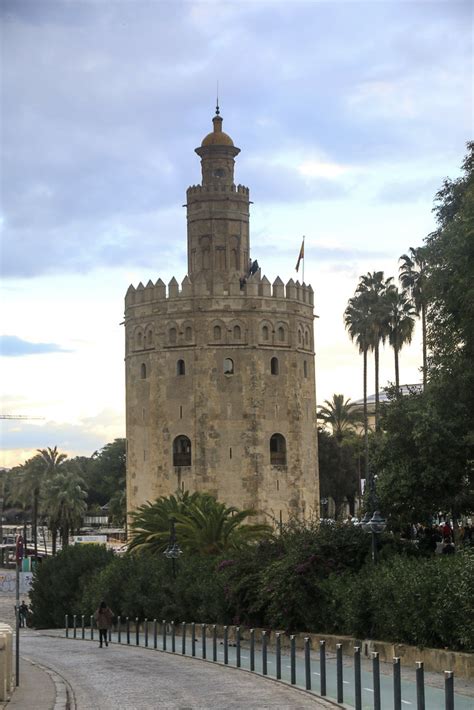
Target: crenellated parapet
(254, 287)
(217, 187)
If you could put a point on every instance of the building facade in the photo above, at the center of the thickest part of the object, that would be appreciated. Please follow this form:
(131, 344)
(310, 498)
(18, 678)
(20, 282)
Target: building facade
(220, 379)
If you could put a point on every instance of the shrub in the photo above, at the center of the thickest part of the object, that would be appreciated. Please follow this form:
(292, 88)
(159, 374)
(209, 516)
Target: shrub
(58, 583)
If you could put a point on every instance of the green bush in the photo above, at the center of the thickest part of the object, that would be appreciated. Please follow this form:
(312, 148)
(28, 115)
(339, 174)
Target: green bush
(58, 583)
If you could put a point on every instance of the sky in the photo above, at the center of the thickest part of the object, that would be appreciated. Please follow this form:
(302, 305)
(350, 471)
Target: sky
(349, 116)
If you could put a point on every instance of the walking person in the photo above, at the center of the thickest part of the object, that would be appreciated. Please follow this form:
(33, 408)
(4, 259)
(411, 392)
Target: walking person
(103, 617)
(23, 613)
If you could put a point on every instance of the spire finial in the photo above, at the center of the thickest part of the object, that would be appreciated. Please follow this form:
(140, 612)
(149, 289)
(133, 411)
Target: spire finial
(217, 100)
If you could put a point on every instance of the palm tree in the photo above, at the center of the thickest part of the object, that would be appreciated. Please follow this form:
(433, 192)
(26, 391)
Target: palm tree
(342, 415)
(64, 503)
(356, 320)
(413, 279)
(401, 323)
(203, 525)
(374, 286)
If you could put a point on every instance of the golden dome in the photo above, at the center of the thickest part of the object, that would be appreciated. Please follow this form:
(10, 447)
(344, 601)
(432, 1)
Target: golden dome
(217, 137)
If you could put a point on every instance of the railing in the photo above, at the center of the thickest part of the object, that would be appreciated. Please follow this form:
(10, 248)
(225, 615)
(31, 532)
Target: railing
(297, 669)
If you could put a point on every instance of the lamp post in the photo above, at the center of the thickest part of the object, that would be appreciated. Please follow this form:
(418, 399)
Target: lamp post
(173, 550)
(373, 523)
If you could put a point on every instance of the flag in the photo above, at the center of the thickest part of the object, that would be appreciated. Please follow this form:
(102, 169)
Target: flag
(301, 255)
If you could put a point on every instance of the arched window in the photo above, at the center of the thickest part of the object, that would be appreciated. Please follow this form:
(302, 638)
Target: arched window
(236, 332)
(180, 367)
(217, 332)
(181, 451)
(277, 450)
(265, 333)
(143, 371)
(306, 338)
(188, 333)
(172, 335)
(139, 339)
(300, 337)
(228, 366)
(274, 368)
(281, 334)
(305, 368)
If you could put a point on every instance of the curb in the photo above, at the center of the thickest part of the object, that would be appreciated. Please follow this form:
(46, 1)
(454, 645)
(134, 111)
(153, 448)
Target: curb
(64, 694)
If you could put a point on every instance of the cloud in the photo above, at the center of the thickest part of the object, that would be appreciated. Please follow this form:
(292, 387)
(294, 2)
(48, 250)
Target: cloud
(12, 346)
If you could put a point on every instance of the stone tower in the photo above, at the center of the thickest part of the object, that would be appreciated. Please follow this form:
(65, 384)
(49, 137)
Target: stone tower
(220, 381)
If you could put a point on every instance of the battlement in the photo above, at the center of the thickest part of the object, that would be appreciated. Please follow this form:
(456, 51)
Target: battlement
(203, 189)
(255, 286)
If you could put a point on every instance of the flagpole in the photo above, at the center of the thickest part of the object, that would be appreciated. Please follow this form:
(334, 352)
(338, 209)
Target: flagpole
(303, 258)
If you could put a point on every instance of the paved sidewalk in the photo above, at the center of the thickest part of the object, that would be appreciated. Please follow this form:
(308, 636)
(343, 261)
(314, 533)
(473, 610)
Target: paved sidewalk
(37, 689)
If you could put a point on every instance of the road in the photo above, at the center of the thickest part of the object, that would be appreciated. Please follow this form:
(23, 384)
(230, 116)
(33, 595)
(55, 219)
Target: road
(121, 678)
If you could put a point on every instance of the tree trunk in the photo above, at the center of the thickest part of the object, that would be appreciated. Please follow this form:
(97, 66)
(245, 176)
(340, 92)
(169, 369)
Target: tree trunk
(65, 536)
(34, 521)
(397, 372)
(366, 421)
(376, 353)
(423, 331)
(54, 538)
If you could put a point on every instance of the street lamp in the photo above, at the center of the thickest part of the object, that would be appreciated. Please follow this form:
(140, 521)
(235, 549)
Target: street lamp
(373, 523)
(173, 550)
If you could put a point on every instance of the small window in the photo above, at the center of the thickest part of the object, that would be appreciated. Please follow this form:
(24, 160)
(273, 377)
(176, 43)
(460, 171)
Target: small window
(228, 366)
(149, 338)
(143, 371)
(181, 451)
(236, 332)
(265, 333)
(277, 450)
(300, 337)
(188, 333)
(306, 338)
(275, 370)
(305, 368)
(219, 173)
(281, 334)
(180, 367)
(217, 332)
(172, 336)
(139, 338)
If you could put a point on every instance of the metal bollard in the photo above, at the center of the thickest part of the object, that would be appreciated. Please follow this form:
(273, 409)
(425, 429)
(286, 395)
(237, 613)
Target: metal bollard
(237, 646)
(137, 631)
(183, 638)
(193, 639)
(119, 629)
(340, 687)
(420, 686)
(127, 620)
(322, 667)
(376, 679)
(203, 640)
(109, 634)
(264, 653)
(397, 685)
(252, 649)
(226, 645)
(278, 656)
(214, 642)
(449, 690)
(163, 632)
(74, 625)
(92, 627)
(155, 633)
(357, 679)
(146, 633)
(66, 625)
(307, 663)
(293, 660)
(83, 628)
(173, 637)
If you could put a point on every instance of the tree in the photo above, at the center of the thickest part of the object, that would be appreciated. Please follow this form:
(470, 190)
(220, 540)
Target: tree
(401, 323)
(413, 279)
(64, 503)
(104, 472)
(338, 472)
(342, 415)
(204, 526)
(374, 287)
